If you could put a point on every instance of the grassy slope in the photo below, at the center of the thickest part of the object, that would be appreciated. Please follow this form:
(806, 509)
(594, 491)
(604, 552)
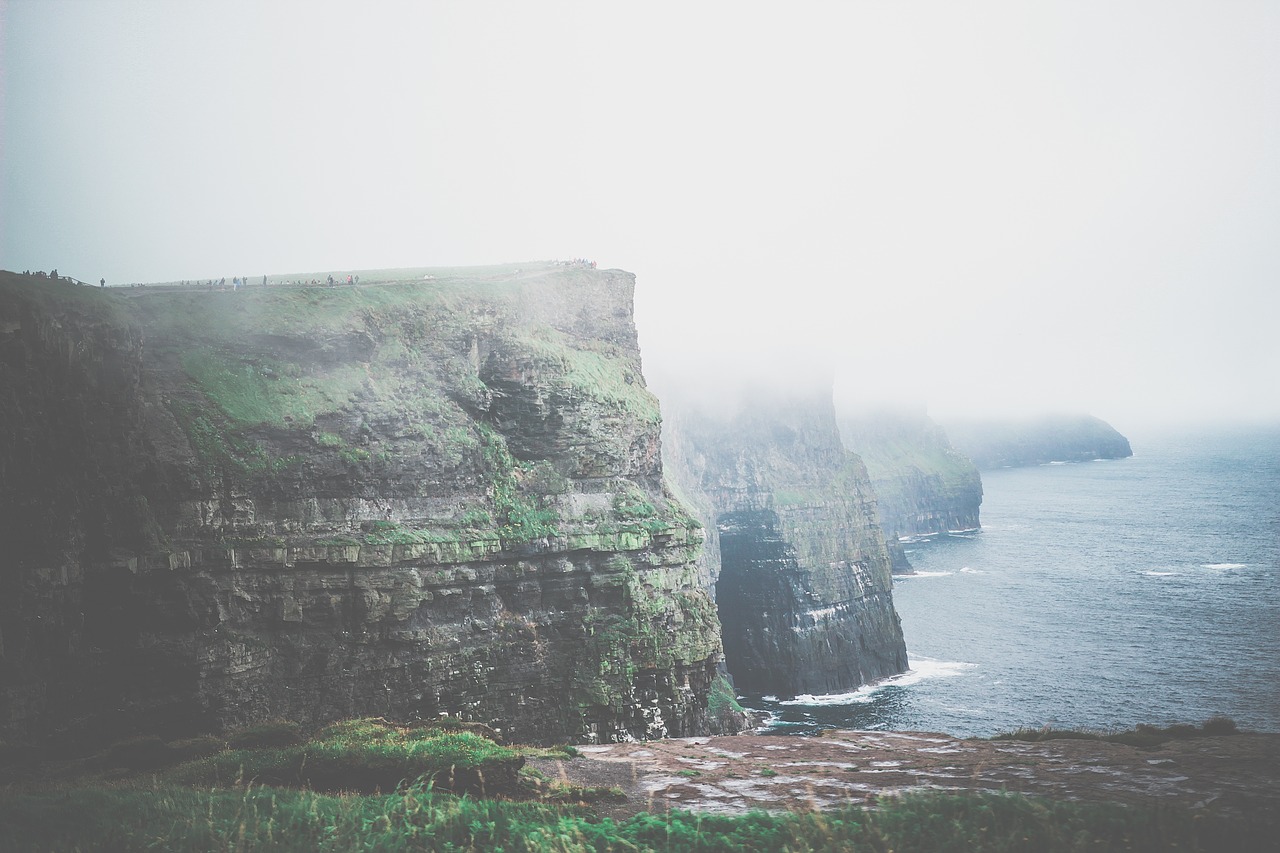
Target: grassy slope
(282, 358)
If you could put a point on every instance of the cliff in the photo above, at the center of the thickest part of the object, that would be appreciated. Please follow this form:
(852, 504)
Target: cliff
(1036, 441)
(410, 499)
(795, 552)
(922, 484)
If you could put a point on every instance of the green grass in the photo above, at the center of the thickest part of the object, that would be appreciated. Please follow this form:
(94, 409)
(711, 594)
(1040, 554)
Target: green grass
(721, 701)
(522, 516)
(167, 817)
(360, 755)
(601, 374)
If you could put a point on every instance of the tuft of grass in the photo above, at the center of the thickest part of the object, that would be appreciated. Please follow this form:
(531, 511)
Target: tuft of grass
(144, 752)
(1219, 725)
(561, 752)
(189, 749)
(330, 439)
(268, 734)
(365, 755)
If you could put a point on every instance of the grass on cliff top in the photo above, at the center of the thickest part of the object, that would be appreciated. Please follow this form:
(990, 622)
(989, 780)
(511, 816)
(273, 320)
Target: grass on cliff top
(102, 819)
(362, 755)
(54, 297)
(889, 456)
(1142, 736)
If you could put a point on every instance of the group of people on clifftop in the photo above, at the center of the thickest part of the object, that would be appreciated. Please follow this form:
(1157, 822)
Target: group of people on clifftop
(52, 275)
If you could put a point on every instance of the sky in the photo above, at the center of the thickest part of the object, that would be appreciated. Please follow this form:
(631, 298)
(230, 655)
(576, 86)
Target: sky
(985, 208)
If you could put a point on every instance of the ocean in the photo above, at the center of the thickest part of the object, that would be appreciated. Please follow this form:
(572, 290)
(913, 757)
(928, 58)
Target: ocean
(1097, 595)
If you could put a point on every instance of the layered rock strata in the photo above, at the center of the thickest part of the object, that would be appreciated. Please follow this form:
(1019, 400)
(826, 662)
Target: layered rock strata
(799, 563)
(923, 485)
(409, 499)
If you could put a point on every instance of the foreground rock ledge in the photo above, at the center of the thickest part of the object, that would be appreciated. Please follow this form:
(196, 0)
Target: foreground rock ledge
(1236, 775)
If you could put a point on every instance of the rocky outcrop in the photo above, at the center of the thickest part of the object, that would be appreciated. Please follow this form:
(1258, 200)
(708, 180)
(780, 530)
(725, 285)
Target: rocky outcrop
(410, 499)
(1037, 441)
(799, 564)
(922, 484)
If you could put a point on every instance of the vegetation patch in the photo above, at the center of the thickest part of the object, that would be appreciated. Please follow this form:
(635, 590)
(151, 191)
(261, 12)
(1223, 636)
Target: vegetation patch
(722, 704)
(1142, 736)
(102, 819)
(269, 734)
(366, 755)
(603, 374)
(522, 517)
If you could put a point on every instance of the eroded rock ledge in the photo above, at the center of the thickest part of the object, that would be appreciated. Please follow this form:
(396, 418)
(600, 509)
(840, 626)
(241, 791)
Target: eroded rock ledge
(1234, 776)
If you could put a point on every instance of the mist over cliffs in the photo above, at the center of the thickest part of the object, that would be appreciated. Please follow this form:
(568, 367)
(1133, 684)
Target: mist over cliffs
(922, 483)
(411, 498)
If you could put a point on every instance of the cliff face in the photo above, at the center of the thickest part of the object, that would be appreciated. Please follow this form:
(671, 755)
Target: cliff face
(1037, 441)
(800, 567)
(922, 484)
(407, 499)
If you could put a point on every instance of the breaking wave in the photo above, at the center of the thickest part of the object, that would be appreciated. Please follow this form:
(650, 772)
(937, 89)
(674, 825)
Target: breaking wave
(921, 669)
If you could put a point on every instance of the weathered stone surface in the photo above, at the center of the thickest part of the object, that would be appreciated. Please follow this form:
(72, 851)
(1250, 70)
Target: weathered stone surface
(408, 499)
(799, 563)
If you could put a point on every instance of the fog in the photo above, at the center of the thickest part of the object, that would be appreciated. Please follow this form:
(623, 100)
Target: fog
(988, 208)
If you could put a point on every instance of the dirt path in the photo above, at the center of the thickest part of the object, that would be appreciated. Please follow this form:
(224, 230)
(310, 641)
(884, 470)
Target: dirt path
(1236, 775)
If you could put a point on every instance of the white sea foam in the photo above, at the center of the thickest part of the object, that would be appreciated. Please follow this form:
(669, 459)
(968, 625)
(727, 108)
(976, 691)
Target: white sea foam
(921, 669)
(923, 575)
(1219, 567)
(968, 571)
(1159, 574)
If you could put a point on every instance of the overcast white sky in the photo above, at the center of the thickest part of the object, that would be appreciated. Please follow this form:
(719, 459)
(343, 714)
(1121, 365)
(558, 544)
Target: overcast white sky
(981, 206)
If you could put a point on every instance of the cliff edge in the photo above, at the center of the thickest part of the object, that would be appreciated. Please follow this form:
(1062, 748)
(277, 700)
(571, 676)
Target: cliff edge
(795, 551)
(409, 499)
(923, 485)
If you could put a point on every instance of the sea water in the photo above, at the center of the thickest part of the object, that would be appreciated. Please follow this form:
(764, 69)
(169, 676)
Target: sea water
(1097, 595)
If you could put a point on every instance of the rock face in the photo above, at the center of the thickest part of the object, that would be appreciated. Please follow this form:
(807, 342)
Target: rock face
(922, 484)
(1054, 438)
(799, 564)
(408, 499)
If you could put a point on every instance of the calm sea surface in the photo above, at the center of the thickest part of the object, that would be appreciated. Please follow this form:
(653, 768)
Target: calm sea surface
(1097, 595)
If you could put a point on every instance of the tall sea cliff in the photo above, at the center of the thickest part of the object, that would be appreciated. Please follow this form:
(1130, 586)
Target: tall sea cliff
(800, 566)
(1011, 442)
(413, 498)
(922, 483)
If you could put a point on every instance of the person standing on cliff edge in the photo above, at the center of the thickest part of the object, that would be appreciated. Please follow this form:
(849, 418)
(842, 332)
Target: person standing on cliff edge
(102, 282)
